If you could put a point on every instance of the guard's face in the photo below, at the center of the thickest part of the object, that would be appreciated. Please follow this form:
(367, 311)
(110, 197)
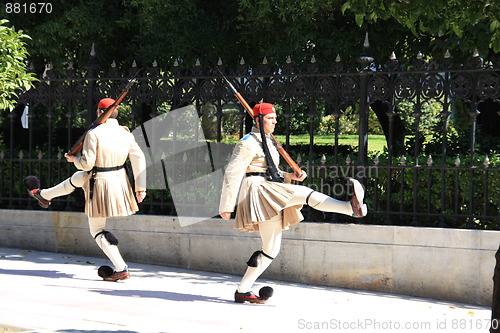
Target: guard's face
(269, 122)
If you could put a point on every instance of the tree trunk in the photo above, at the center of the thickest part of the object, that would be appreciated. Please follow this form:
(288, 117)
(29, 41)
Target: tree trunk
(398, 128)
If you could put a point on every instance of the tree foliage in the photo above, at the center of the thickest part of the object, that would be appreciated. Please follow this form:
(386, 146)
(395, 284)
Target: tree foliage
(452, 24)
(188, 30)
(13, 76)
(65, 35)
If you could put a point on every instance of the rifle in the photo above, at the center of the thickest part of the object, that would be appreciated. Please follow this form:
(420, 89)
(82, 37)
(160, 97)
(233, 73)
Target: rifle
(75, 149)
(296, 169)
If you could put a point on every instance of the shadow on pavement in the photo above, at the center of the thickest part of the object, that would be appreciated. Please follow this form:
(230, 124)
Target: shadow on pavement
(40, 273)
(166, 295)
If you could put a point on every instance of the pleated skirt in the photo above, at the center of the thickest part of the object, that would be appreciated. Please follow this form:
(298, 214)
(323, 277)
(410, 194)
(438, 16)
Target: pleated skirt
(260, 200)
(113, 195)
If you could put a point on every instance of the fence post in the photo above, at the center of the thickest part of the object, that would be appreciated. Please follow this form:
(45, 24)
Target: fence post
(364, 60)
(12, 117)
(91, 77)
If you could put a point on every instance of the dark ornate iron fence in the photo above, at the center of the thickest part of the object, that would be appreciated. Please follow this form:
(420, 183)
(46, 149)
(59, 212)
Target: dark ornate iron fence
(404, 187)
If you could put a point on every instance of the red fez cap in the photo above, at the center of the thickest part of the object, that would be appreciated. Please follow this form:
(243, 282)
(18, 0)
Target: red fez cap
(263, 108)
(105, 103)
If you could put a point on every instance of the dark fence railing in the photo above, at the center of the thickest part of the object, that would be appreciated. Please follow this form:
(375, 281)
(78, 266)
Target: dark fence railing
(404, 186)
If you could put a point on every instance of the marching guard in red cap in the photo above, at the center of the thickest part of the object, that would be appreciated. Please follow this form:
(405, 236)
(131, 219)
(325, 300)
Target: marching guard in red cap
(107, 189)
(266, 200)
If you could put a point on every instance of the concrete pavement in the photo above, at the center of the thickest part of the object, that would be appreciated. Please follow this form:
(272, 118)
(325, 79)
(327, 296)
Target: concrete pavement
(56, 292)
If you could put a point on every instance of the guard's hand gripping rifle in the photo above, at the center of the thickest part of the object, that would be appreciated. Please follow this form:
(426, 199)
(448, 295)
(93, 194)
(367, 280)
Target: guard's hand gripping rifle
(75, 149)
(296, 169)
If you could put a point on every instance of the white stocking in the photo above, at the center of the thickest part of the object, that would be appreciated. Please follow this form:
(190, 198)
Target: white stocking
(96, 225)
(317, 200)
(270, 234)
(65, 187)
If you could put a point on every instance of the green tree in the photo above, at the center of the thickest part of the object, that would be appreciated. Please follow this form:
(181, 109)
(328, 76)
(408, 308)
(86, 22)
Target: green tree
(307, 28)
(13, 76)
(187, 30)
(66, 33)
(450, 24)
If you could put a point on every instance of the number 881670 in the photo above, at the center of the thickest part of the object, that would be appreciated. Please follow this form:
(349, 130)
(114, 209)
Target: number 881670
(28, 8)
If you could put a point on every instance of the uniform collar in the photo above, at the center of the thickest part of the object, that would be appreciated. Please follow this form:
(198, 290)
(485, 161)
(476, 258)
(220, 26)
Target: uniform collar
(112, 121)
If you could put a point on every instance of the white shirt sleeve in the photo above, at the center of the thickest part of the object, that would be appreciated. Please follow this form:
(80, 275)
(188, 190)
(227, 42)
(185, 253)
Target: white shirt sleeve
(241, 158)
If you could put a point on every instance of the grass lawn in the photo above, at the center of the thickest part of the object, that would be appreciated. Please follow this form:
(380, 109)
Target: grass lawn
(375, 142)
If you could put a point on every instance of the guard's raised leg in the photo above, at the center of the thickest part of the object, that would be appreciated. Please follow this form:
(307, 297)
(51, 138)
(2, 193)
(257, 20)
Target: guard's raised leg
(44, 196)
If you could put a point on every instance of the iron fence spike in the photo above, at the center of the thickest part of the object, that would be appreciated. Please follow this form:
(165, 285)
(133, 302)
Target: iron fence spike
(486, 161)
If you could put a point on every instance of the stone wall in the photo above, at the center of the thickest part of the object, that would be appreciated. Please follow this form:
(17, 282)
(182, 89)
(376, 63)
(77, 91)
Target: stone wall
(447, 264)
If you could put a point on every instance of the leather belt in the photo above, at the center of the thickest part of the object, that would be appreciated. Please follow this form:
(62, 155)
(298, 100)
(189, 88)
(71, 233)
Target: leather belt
(100, 169)
(260, 174)
(265, 175)
(104, 169)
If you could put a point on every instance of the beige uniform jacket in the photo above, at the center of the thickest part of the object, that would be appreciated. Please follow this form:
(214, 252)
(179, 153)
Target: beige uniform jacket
(109, 145)
(257, 199)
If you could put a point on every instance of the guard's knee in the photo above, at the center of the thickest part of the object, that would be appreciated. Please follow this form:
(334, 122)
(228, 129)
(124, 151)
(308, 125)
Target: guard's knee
(68, 186)
(254, 259)
(109, 237)
(271, 252)
(315, 198)
(77, 179)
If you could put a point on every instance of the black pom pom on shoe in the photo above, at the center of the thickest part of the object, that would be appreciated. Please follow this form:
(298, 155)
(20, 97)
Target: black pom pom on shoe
(266, 292)
(105, 271)
(32, 182)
